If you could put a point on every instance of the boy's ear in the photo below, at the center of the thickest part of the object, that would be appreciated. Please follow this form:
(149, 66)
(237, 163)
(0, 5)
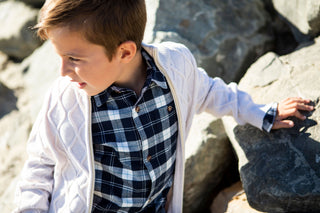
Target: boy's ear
(127, 51)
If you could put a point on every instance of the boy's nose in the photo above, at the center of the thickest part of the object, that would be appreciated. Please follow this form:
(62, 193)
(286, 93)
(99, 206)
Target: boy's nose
(65, 69)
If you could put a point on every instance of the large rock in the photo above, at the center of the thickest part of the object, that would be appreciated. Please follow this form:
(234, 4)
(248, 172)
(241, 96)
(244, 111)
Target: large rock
(3, 61)
(34, 3)
(152, 7)
(30, 80)
(16, 37)
(14, 131)
(7, 100)
(225, 36)
(209, 156)
(40, 70)
(280, 171)
(303, 15)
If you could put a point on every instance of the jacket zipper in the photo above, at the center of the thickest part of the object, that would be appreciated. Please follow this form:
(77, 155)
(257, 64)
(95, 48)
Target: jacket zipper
(91, 158)
(177, 103)
(175, 97)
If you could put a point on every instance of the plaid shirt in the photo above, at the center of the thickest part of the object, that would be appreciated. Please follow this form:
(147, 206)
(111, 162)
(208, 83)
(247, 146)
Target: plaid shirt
(134, 140)
(269, 118)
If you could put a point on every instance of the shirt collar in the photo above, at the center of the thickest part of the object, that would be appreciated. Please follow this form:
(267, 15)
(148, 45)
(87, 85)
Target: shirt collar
(153, 72)
(153, 75)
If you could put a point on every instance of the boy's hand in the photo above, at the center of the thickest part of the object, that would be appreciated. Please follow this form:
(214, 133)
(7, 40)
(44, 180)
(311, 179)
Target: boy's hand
(290, 107)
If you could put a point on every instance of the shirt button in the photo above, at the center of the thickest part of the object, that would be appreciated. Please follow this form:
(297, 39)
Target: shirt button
(137, 109)
(149, 158)
(170, 108)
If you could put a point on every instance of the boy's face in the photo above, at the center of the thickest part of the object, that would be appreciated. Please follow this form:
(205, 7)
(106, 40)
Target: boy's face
(85, 63)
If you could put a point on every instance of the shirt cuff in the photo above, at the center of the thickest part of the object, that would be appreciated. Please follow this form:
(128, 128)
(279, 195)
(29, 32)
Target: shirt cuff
(269, 118)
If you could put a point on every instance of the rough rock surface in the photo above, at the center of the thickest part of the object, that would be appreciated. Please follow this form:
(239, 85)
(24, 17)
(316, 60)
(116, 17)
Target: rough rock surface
(304, 16)
(280, 171)
(29, 80)
(3, 61)
(7, 100)
(18, 41)
(34, 3)
(225, 36)
(40, 70)
(209, 155)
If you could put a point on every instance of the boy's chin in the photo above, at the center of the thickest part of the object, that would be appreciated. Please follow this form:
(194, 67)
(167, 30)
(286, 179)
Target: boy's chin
(92, 93)
(88, 90)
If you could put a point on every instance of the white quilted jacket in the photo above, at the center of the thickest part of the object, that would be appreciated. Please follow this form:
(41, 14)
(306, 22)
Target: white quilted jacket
(59, 174)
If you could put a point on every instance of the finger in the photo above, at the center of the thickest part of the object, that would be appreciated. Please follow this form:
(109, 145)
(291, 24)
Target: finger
(283, 124)
(305, 101)
(305, 107)
(297, 107)
(293, 108)
(296, 100)
(293, 112)
(299, 115)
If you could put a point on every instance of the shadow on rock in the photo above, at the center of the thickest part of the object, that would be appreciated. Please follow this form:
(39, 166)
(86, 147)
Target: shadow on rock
(8, 100)
(281, 170)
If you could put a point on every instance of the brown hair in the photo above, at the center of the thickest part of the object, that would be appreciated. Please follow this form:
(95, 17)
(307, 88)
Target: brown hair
(104, 22)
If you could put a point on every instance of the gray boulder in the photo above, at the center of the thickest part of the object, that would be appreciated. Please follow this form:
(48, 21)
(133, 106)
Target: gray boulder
(303, 16)
(40, 70)
(3, 61)
(209, 156)
(16, 37)
(280, 171)
(30, 80)
(225, 36)
(14, 131)
(7, 100)
(34, 3)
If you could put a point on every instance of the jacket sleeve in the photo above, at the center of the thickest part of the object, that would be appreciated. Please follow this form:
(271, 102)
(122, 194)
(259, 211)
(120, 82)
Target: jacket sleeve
(216, 97)
(36, 182)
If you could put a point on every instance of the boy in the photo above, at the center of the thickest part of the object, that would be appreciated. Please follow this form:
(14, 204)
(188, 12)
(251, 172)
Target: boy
(110, 137)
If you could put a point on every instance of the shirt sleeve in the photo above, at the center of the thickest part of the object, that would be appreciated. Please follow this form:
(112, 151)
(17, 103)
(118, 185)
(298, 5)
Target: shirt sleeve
(270, 117)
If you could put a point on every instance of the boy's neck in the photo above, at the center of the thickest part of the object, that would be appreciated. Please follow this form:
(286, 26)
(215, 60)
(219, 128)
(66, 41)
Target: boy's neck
(135, 74)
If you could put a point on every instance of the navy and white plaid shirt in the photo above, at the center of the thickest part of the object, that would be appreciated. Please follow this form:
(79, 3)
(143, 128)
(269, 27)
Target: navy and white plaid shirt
(270, 117)
(134, 142)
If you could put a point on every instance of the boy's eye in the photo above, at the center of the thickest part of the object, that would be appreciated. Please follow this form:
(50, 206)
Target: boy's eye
(73, 59)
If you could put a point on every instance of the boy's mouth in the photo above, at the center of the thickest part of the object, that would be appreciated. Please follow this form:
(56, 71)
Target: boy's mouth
(81, 85)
